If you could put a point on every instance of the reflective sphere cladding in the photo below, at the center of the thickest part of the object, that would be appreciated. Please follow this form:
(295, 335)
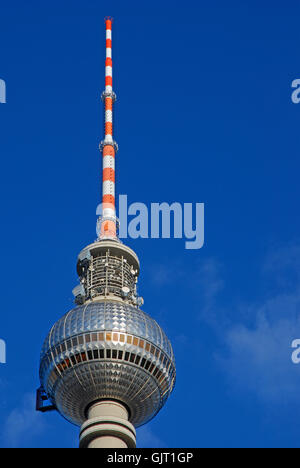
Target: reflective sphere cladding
(107, 349)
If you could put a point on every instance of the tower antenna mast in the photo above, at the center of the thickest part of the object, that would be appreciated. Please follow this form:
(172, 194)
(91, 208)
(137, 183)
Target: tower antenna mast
(108, 147)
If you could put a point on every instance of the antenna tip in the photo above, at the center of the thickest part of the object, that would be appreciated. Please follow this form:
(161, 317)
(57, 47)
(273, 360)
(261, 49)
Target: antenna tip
(108, 21)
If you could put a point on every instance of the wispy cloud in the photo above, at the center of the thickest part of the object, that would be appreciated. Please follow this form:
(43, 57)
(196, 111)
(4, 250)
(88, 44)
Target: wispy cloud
(147, 439)
(23, 425)
(256, 353)
(162, 274)
(208, 278)
(259, 358)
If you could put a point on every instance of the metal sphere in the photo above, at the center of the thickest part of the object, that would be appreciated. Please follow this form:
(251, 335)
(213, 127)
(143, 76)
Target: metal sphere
(107, 350)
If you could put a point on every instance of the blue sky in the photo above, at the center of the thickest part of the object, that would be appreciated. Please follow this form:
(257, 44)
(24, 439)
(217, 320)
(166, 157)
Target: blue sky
(204, 114)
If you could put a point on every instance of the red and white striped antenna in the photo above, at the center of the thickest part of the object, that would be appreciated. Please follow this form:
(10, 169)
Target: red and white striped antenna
(108, 147)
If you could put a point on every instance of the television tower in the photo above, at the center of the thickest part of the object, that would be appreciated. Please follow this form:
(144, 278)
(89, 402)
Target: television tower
(106, 365)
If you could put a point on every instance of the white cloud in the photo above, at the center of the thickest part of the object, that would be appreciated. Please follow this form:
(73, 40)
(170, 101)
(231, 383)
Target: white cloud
(23, 424)
(256, 352)
(211, 283)
(259, 358)
(162, 274)
(147, 439)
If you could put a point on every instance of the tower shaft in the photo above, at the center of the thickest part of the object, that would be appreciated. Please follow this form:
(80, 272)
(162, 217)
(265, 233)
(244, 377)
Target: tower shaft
(108, 147)
(107, 426)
